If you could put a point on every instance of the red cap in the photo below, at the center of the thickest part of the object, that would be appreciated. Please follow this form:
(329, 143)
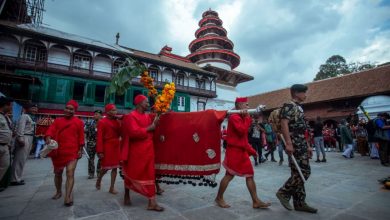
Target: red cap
(109, 107)
(139, 98)
(241, 99)
(73, 103)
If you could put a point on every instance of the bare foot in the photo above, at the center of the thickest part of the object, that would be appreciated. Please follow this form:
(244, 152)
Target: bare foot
(261, 205)
(57, 196)
(221, 203)
(156, 208)
(113, 191)
(127, 201)
(160, 192)
(68, 202)
(98, 184)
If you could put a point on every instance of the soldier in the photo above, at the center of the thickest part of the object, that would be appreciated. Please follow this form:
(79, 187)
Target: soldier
(90, 132)
(25, 131)
(293, 129)
(5, 135)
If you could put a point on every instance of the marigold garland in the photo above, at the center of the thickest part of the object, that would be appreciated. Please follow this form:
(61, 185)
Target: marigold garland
(163, 101)
(147, 81)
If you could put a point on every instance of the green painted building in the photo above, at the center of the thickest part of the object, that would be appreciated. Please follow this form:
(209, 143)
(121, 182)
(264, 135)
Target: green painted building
(48, 67)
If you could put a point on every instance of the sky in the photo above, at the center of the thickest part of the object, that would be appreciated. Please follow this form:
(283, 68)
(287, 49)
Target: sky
(280, 42)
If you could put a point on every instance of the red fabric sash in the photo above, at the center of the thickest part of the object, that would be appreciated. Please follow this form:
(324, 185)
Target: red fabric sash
(188, 143)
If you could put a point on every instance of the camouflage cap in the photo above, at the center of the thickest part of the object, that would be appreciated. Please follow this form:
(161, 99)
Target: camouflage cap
(298, 88)
(98, 111)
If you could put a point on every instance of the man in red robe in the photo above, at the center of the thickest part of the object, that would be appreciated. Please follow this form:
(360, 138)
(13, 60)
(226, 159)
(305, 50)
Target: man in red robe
(107, 145)
(138, 153)
(68, 132)
(238, 150)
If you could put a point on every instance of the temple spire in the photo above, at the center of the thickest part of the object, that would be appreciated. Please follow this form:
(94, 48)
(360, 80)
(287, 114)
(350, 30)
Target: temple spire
(211, 45)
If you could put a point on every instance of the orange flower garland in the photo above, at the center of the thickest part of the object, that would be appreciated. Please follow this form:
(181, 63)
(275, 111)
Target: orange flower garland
(147, 81)
(163, 101)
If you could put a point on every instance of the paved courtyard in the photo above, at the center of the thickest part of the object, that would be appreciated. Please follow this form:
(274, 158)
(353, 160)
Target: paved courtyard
(340, 189)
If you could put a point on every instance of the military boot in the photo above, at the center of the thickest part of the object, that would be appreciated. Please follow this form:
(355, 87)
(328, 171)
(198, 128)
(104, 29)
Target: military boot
(284, 201)
(304, 207)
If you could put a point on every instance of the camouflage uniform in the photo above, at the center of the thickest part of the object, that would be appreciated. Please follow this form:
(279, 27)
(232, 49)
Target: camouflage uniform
(90, 131)
(294, 186)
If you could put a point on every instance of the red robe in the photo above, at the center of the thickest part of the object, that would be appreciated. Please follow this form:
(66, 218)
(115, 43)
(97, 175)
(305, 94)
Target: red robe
(138, 154)
(69, 134)
(237, 160)
(224, 134)
(108, 142)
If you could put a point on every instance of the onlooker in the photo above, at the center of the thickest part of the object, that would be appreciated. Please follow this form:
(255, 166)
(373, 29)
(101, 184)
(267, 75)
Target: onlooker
(382, 133)
(278, 142)
(280, 146)
(255, 138)
(346, 137)
(372, 141)
(270, 136)
(5, 136)
(329, 140)
(42, 126)
(25, 132)
(361, 138)
(338, 137)
(319, 140)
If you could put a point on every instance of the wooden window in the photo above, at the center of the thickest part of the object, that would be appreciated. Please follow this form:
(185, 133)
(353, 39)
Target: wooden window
(181, 103)
(153, 73)
(180, 79)
(42, 55)
(81, 62)
(31, 53)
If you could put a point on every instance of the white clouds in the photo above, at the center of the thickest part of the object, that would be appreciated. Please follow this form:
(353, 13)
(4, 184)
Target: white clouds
(377, 50)
(229, 13)
(280, 42)
(181, 24)
(292, 49)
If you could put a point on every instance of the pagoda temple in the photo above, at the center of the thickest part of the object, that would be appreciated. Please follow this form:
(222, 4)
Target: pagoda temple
(213, 51)
(212, 46)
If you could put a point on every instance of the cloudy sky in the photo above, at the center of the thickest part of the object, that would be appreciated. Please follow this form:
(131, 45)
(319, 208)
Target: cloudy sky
(280, 42)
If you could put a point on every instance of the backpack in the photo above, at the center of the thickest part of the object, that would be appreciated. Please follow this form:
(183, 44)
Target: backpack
(275, 118)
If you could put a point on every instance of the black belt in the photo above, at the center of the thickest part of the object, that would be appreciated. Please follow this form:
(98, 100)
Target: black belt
(3, 144)
(29, 134)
